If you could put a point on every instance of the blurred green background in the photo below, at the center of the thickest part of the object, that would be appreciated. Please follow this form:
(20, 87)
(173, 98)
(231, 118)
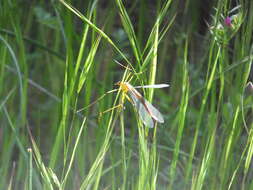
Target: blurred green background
(62, 128)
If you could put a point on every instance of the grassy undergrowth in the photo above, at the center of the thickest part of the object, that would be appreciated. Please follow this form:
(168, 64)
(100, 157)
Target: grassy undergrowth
(63, 125)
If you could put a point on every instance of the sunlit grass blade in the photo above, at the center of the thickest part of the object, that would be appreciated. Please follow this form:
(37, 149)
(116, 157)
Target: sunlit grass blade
(86, 20)
(88, 64)
(130, 31)
(181, 117)
(46, 176)
(30, 171)
(73, 154)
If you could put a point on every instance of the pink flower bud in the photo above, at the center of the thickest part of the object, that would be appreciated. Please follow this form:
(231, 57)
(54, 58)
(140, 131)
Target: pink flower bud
(228, 21)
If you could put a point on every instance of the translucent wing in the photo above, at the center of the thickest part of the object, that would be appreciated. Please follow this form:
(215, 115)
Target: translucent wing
(153, 86)
(142, 111)
(147, 112)
(154, 112)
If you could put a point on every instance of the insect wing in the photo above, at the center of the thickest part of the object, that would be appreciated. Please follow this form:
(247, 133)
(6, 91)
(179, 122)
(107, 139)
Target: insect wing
(154, 112)
(142, 110)
(153, 86)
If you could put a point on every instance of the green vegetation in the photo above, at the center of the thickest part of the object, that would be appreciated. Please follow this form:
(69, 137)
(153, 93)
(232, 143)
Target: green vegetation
(63, 126)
